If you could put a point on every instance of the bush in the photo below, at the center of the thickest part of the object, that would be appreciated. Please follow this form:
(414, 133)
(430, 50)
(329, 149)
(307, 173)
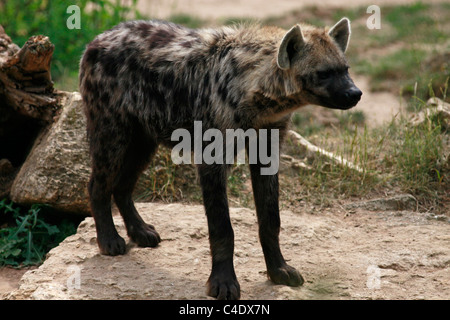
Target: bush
(29, 237)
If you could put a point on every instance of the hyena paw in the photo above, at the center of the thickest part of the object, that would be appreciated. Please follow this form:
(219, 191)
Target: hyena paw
(112, 246)
(286, 275)
(145, 236)
(223, 288)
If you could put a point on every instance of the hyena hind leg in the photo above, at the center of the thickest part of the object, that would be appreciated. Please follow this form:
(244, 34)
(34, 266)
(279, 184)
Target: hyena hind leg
(100, 191)
(137, 156)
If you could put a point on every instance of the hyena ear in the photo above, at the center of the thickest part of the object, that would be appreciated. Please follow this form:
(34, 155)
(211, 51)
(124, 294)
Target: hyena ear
(340, 32)
(291, 45)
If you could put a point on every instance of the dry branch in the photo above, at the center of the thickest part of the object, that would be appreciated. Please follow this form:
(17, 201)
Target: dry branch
(311, 151)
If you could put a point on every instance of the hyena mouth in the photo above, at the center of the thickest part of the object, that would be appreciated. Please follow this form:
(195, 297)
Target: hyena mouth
(338, 105)
(347, 106)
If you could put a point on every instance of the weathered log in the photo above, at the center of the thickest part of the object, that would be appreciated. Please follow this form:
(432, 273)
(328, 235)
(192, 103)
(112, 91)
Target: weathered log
(7, 47)
(25, 78)
(28, 103)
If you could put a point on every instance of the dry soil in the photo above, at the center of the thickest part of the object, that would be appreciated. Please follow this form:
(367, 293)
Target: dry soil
(342, 254)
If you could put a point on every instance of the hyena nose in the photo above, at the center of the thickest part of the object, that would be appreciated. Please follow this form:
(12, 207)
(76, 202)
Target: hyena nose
(353, 94)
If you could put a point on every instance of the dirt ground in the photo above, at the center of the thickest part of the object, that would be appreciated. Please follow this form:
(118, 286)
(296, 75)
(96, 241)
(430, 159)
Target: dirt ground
(9, 279)
(342, 254)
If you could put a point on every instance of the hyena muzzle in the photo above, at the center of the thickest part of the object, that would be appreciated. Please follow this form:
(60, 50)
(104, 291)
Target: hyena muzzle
(142, 80)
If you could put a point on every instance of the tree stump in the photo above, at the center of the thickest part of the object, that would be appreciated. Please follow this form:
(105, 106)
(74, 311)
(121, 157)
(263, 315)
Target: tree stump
(25, 77)
(28, 102)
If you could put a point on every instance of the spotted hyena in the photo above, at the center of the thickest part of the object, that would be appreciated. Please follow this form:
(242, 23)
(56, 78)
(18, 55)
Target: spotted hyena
(142, 80)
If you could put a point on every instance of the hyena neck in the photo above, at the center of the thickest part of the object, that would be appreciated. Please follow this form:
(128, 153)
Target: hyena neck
(263, 90)
(277, 94)
(275, 109)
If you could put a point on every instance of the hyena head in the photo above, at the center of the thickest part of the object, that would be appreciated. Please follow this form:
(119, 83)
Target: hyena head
(314, 59)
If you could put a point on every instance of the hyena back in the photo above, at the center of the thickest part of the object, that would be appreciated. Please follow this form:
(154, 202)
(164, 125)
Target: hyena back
(142, 80)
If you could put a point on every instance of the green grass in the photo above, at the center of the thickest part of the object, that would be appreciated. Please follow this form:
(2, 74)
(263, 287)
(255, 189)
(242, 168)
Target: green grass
(417, 22)
(403, 65)
(305, 121)
(408, 70)
(416, 157)
(410, 50)
(28, 234)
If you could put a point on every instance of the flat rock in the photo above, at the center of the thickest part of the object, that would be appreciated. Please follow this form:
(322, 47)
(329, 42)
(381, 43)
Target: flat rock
(373, 255)
(395, 203)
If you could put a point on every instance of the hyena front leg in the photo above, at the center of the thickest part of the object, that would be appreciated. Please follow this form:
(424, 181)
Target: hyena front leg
(222, 282)
(265, 192)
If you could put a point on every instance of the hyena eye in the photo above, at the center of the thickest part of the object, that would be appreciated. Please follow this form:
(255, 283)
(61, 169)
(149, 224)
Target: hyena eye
(323, 75)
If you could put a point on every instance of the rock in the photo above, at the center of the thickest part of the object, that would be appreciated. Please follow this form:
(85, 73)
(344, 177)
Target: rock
(177, 269)
(76, 270)
(396, 203)
(57, 169)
